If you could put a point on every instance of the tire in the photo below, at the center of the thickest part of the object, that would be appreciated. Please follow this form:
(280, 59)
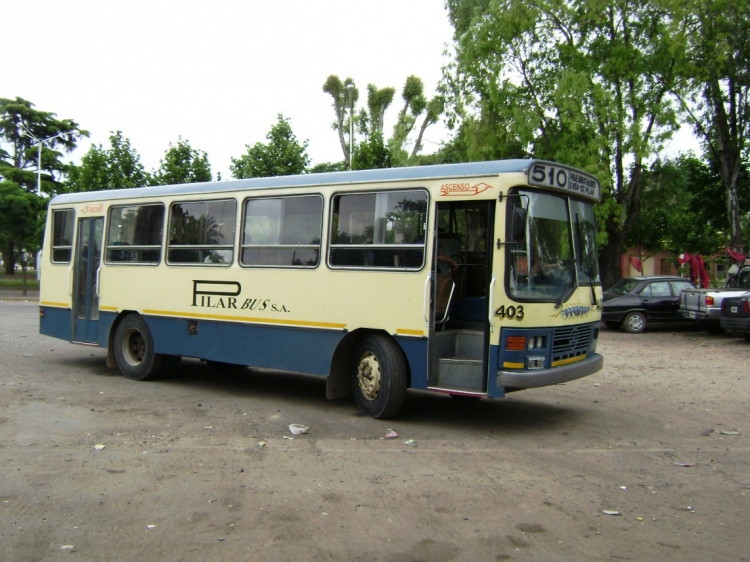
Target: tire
(714, 328)
(134, 351)
(379, 376)
(611, 324)
(746, 335)
(634, 322)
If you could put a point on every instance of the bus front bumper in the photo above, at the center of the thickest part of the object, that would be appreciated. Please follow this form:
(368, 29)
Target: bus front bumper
(518, 380)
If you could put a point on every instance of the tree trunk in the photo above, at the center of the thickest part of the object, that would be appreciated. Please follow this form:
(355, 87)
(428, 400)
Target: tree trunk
(10, 258)
(609, 258)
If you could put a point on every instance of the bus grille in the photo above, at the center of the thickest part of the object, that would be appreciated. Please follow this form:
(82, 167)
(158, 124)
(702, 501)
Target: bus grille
(571, 341)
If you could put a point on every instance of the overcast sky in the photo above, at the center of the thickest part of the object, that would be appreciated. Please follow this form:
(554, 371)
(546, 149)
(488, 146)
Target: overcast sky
(217, 73)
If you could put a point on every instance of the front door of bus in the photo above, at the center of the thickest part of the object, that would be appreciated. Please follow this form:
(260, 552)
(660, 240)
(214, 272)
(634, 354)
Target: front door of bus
(86, 280)
(462, 269)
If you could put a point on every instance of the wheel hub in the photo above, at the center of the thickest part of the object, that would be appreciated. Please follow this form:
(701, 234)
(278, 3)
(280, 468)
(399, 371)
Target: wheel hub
(368, 376)
(136, 348)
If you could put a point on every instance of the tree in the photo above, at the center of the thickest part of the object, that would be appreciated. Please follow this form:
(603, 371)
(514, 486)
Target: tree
(372, 153)
(22, 216)
(682, 208)
(586, 83)
(328, 167)
(717, 103)
(182, 164)
(21, 127)
(345, 96)
(370, 123)
(117, 167)
(283, 155)
(415, 105)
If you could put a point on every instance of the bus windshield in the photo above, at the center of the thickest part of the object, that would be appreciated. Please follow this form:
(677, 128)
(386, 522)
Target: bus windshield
(552, 241)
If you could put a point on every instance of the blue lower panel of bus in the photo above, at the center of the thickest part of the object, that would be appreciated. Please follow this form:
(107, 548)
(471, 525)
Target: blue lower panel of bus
(57, 323)
(285, 348)
(272, 347)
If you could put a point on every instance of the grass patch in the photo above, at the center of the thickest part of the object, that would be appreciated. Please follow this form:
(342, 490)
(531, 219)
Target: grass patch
(16, 281)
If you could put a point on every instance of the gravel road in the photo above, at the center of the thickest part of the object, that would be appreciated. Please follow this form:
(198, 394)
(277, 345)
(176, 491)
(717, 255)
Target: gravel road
(646, 460)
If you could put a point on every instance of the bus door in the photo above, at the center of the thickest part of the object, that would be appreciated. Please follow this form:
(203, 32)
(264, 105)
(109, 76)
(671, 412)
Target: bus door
(461, 270)
(86, 280)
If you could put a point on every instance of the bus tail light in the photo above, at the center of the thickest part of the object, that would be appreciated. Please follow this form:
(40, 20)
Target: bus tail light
(515, 343)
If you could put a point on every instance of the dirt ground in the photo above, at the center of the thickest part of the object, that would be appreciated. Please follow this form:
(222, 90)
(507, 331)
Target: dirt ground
(659, 437)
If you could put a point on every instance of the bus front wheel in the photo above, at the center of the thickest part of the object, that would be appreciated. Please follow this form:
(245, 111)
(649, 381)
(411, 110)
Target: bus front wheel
(134, 351)
(379, 376)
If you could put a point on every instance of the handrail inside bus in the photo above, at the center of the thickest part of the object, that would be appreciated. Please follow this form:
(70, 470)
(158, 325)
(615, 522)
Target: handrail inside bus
(426, 300)
(489, 296)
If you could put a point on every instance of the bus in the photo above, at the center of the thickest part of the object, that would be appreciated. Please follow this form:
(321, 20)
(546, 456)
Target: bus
(473, 279)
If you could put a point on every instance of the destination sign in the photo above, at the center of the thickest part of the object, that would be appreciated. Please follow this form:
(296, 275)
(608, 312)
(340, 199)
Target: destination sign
(563, 178)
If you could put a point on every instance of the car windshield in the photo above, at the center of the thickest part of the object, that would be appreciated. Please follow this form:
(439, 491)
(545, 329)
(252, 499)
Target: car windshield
(623, 286)
(553, 247)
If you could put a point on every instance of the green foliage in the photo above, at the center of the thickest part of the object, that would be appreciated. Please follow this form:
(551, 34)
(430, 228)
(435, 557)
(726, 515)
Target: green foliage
(328, 167)
(683, 208)
(102, 168)
(21, 126)
(182, 164)
(345, 95)
(371, 154)
(22, 218)
(716, 103)
(282, 155)
(370, 123)
(586, 83)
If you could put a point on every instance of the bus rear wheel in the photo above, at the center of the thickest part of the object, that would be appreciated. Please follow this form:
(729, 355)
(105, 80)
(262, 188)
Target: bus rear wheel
(134, 351)
(379, 376)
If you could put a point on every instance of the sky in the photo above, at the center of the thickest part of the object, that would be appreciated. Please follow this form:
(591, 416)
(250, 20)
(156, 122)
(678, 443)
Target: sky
(218, 73)
(215, 73)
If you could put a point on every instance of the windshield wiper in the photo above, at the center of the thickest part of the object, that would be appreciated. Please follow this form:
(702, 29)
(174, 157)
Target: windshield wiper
(570, 285)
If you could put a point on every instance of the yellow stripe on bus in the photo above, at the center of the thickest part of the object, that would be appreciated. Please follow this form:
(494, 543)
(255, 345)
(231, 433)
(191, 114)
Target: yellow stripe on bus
(509, 365)
(568, 361)
(108, 308)
(405, 332)
(58, 304)
(246, 319)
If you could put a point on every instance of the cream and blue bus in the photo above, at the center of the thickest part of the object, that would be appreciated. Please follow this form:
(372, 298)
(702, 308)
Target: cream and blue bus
(472, 279)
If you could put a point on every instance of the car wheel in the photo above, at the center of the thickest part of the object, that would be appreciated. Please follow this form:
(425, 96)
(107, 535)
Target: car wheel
(746, 335)
(612, 325)
(379, 376)
(714, 328)
(134, 351)
(634, 322)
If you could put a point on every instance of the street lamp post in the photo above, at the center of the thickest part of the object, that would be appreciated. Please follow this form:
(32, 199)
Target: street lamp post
(350, 89)
(25, 132)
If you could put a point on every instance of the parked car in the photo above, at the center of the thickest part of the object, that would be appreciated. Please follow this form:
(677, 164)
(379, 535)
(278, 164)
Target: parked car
(735, 315)
(704, 305)
(634, 302)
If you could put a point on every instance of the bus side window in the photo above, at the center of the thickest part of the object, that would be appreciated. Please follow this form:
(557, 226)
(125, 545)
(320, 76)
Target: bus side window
(383, 230)
(202, 232)
(62, 235)
(134, 234)
(282, 231)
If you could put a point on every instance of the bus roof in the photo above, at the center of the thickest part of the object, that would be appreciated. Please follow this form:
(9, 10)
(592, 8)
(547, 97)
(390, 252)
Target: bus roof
(304, 180)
